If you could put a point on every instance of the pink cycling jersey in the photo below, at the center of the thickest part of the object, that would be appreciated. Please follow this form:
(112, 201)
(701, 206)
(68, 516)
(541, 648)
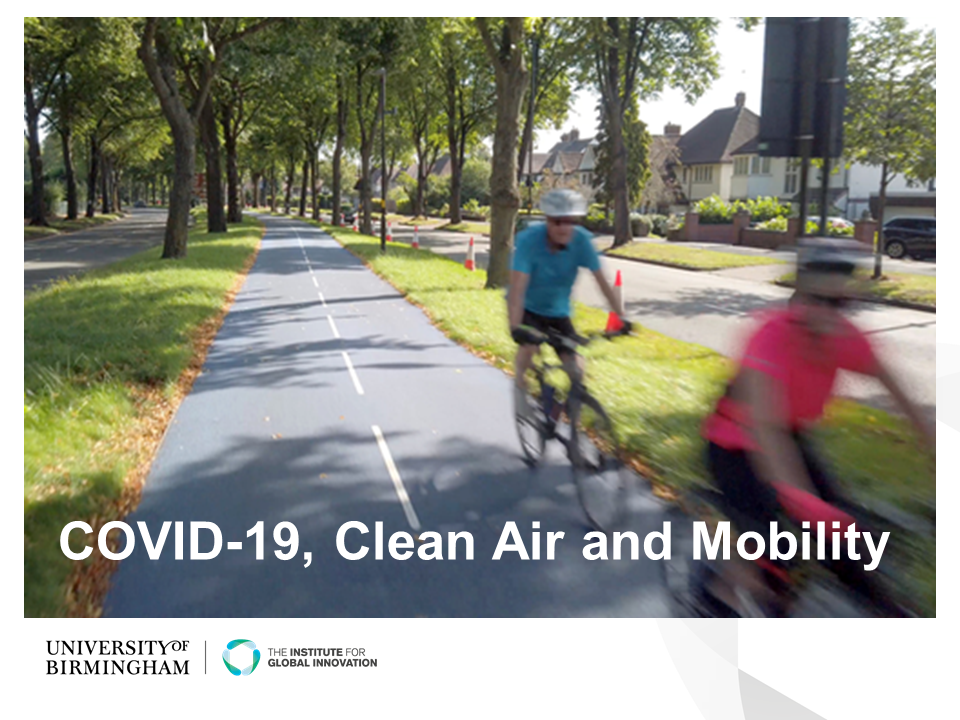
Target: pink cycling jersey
(805, 367)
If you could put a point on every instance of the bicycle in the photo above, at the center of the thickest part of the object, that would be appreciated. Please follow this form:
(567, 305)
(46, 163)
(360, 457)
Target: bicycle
(596, 456)
(798, 591)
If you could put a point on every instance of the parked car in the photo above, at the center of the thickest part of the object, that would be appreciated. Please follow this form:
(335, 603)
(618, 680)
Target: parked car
(139, 204)
(915, 237)
(349, 214)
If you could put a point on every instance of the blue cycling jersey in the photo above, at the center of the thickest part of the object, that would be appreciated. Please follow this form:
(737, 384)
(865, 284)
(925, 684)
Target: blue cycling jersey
(552, 272)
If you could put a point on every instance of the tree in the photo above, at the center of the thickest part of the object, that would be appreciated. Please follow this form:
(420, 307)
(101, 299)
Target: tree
(199, 44)
(419, 98)
(891, 105)
(635, 59)
(47, 46)
(636, 140)
(371, 44)
(555, 49)
(470, 97)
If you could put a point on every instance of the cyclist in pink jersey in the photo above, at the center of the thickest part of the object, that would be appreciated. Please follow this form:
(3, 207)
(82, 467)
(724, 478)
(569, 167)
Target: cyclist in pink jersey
(759, 454)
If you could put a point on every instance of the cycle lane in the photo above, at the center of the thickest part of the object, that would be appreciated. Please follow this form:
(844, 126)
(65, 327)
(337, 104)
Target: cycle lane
(316, 353)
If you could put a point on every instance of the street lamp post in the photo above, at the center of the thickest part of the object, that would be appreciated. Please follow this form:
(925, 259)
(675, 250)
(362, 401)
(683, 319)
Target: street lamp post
(383, 161)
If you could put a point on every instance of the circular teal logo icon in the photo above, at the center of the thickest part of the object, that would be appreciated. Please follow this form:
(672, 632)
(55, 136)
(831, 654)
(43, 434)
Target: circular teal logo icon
(234, 645)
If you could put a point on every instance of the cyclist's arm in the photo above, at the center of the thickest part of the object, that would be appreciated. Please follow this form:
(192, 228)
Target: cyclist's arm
(777, 459)
(927, 436)
(608, 292)
(518, 291)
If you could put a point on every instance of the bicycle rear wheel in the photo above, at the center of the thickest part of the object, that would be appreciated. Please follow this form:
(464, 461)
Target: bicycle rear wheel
(599, 472)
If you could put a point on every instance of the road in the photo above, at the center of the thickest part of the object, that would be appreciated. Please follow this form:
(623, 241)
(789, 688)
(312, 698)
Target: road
(47, 260)
(326, 398)
(712, 309)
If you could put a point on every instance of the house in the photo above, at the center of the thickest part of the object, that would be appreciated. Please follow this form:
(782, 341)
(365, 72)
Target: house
(569, 163)
(706, 150)
(720, 155)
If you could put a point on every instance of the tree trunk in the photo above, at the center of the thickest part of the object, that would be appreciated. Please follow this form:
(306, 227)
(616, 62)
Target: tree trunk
(419, 210)
(273, 187)
(511, 78)
(234, 201)
(105, 174)
(338, 153)
(116, 191)
(181, 194)
(92, 176)
(38, 213)
(315, 205)
(255, 198)
(618, 178)
(216, 220)
(291, 172)
(303, 188)
(365, 199)
(881, 245)
(67, 137)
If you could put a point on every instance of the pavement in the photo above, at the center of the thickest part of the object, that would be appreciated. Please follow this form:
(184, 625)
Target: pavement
(327, 398)
(49, 259)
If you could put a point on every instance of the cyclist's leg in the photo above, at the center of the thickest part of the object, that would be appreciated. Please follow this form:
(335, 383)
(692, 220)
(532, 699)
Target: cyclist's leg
(522, 363)
(756, 506)
(574, 364)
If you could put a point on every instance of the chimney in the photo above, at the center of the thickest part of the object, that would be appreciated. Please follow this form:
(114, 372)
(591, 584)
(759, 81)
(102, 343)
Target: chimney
(574, 135)
(671, 130)
(741, 99)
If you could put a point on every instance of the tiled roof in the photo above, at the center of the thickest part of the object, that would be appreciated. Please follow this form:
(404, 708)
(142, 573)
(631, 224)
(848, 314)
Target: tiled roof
(712, 139)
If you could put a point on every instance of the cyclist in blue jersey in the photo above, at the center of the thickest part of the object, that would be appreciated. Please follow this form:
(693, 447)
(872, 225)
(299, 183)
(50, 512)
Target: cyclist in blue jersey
(546, 260)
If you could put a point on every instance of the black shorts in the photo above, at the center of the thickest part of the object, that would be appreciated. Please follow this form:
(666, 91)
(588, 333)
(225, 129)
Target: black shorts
(754, 500)
(543, 323)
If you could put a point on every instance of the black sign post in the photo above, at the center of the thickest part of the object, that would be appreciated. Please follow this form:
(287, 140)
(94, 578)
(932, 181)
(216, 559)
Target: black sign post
(804, 94)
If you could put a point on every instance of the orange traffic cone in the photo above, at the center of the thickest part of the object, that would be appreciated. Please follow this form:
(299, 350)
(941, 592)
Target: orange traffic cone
(618, 290)
(614, 323)
(416, 238)
(470, 263)
(389, 233)
(354, 225)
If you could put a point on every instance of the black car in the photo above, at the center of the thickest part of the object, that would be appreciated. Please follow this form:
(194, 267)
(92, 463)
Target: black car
(915, 237)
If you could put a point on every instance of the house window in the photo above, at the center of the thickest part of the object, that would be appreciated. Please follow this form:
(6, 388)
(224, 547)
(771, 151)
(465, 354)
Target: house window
(755, 165)
(741, 165)
(792, 176)
(765, 166)
(703, 174)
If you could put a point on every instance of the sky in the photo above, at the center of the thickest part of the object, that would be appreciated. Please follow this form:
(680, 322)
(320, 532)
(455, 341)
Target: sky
(741, 70)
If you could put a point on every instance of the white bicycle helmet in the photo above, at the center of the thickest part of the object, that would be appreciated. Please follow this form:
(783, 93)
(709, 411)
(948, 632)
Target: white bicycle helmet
(563, 203)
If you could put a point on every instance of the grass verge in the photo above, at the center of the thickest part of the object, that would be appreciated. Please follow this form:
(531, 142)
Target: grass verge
(107, 358)
(471, 228)
(62, 226)
(892, 288)
(687, 258)
(658, 390)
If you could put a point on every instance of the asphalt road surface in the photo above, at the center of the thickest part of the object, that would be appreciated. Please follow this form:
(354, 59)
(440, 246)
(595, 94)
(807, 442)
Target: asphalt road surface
(50, 259)
(326, 398)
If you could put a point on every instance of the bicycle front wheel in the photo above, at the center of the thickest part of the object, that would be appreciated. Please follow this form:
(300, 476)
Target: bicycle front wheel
(599, 472)
(530, 428)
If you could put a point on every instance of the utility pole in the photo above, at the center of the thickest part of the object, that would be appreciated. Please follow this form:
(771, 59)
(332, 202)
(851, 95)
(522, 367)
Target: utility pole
(383, 160)
(533, 96)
